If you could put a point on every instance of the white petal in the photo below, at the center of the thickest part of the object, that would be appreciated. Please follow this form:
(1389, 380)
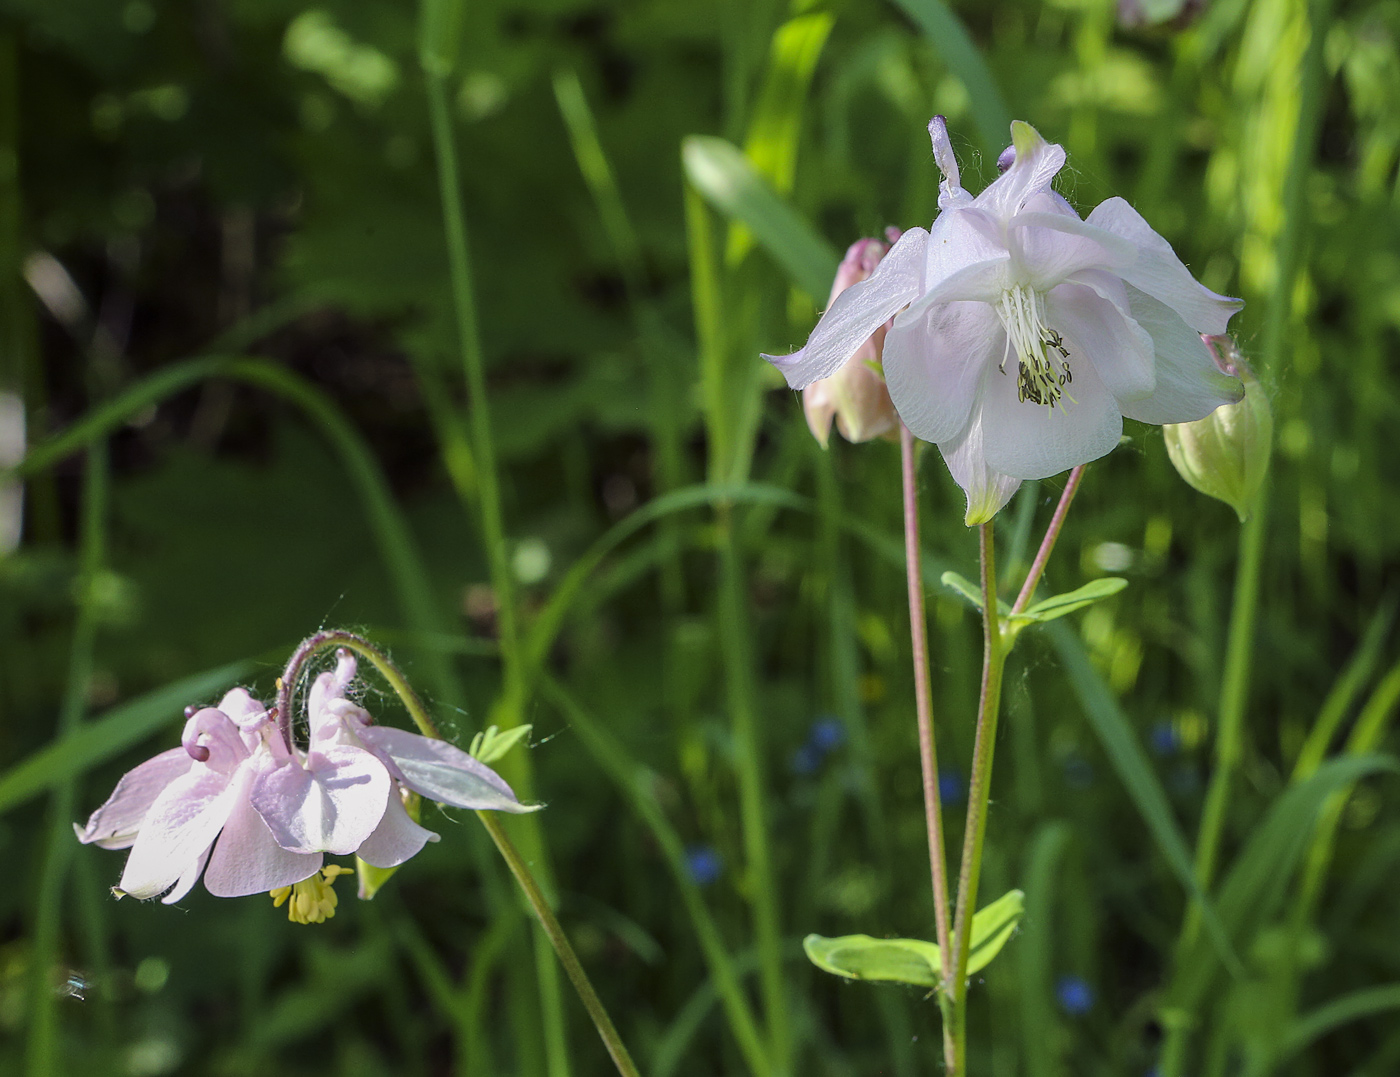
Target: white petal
(247, 859)
(1048, 247)
(1036, 164)
(332, 804)
(944, 157)
(114, 825)
(185, 883)
(987, 490)
(1025, 440)
(934, 362)
(858, 312)
(1189, 384)
(395, 839)
(1095, 331)
(178, 830)
(1160, 273)
(441, 771)
(959, 238)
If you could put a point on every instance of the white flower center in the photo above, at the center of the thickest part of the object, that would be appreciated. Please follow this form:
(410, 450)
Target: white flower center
(1041, 357)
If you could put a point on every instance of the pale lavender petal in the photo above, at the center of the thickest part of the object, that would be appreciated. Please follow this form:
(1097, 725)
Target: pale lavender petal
(329, 686)
(241, 708)
(212, 739)
(1036, 164)
(114, 825)
(858, 312)
(987, 490)
(1048, 247)
(950, 189)
(1094, 330)
(960, 238)
(1189, 384)
(185, 883)
(934, 363)
(332, 804)
(247, 859)
(179, 828)
(1160, 273)
(396, 838)
(1025, 440)
(441, 771)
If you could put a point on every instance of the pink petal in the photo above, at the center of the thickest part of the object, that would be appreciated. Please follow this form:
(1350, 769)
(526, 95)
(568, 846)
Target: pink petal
(1157, 270)
(114, 825)
(441, 771)
(987, 490)
(185, 883)
(1024, 440)
(329, 686)
(858, 312)
(396, 838)
(332, 804)
(1095, 331)
(1189, 384)
(177, 831)
(247, 860)
(241, 708)
(934, 363)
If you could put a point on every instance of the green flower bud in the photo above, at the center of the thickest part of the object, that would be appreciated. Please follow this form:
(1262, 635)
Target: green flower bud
(1226, 454)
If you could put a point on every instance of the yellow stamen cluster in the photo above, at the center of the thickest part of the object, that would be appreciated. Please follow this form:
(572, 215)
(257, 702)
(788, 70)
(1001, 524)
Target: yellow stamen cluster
(1041, 376)
(313, 900)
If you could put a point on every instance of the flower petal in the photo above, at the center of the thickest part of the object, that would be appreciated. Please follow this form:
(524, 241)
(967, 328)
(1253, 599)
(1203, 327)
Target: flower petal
(1189, 384)
(1160, 273)
(241, 708)
(1036, 164)
(858, 312)
(987, 490)
(177, 831)
(396, 838)
(961, 237)
(247, 859)
(1048, 247)
(441, 771)
(1095, 330)
(330, 686)
(331, 804)
(115, 823)
(1024, 440)
(185, 883)
(934, 363)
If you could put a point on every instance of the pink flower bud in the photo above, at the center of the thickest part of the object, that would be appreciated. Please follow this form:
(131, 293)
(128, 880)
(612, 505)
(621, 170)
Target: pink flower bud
(855, 396)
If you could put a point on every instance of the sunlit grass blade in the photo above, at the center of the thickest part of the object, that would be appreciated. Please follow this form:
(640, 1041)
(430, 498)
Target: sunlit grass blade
(1135, 771)
(723, 175)
(951, 40)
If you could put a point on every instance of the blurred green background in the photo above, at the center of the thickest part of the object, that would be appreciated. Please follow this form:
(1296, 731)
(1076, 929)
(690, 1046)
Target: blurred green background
(222, 222)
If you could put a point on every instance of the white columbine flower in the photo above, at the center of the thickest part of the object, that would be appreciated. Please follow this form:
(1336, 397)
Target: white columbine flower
(1022, 334)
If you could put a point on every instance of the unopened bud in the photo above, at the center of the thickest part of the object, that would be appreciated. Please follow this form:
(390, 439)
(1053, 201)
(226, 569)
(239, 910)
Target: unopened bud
(855, 395)
(1226, 454)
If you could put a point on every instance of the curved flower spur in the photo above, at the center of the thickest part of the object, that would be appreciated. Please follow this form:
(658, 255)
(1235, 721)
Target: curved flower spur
(235, 803)
(1022, 334)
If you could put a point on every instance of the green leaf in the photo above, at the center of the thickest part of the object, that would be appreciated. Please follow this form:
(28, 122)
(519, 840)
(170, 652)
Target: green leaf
(963, 586)
(491, 744)
(725, 178)
(1059, 605)
(914, 961)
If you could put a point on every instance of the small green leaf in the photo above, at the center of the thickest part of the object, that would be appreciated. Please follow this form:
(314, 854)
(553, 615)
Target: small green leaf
(963, 586)
(491, 744)
(914, 961)
(1059, 605)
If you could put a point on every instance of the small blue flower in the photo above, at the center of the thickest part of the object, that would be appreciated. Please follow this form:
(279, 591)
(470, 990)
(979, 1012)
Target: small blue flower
(950, 787)
(1075, 995)
(827, 734)
(1164, 739)
(704, 864)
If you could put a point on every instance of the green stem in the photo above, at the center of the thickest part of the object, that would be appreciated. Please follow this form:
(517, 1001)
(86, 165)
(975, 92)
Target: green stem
(41, 1050)
(1047, 544)
(753, 807)
(621, 1059)
(979, 792)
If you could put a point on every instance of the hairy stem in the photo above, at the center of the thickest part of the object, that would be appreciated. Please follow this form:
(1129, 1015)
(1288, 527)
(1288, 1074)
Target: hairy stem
(1047, 544)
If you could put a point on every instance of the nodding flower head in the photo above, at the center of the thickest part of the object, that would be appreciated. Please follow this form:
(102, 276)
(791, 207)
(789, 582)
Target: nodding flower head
(1023, 334)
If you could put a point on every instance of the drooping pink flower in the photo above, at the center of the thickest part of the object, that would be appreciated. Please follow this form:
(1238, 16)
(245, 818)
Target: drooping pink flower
(187, 811)
(1022, 334)
(855, 396)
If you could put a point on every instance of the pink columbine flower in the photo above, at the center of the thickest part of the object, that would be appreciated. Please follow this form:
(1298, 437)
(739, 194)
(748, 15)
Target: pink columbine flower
(349, 752)
(189, 807)
(855, 395)
(1022, 334)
